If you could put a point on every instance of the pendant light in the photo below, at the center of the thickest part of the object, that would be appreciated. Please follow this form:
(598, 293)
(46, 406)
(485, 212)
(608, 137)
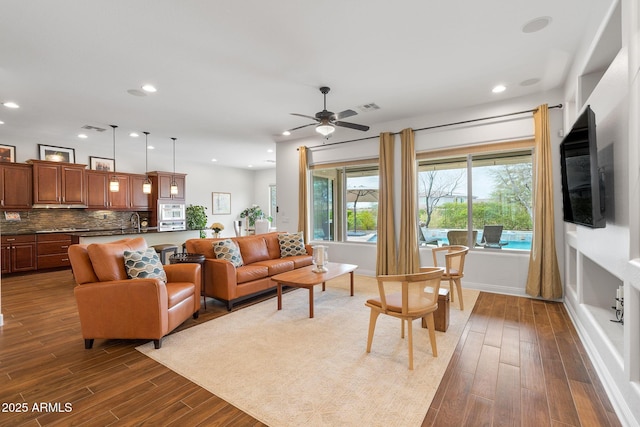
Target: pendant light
(114, 182)
(174, 185)
(146, 185)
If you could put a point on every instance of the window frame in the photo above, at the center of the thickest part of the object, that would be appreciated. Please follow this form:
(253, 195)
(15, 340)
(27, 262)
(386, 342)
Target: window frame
(469, 154)
(338, 231)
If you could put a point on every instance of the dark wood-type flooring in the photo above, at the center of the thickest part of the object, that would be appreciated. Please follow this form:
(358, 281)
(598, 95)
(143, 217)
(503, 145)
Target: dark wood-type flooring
(519, 362)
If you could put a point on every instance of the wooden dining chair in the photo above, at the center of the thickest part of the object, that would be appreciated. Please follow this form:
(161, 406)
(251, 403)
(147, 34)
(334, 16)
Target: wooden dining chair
(453, 268)
(417, 299)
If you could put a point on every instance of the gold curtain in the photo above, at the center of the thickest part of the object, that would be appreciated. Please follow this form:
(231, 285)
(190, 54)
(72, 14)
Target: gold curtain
(303, 222)
(386, 247)
(409, 257)
(543, 279)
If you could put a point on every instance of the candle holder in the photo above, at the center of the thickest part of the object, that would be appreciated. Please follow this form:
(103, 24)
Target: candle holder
(619, 307)
(320, 259)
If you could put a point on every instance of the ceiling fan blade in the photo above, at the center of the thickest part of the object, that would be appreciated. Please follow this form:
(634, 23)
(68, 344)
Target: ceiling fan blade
(303, 126)
(351, 126)
(305, 116)
(344, 114)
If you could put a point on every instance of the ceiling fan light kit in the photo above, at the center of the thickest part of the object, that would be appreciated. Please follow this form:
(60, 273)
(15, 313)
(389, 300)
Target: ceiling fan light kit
(326, 121)
(325, 129)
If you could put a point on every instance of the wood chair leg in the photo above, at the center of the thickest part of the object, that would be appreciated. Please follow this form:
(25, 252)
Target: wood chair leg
(431, 324)
(459, 289)
(451, 288)
(402, 328)
(410, 332)
(372, 326)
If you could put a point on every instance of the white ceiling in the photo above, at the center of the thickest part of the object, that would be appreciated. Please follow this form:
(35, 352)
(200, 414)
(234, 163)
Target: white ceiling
(229, 73)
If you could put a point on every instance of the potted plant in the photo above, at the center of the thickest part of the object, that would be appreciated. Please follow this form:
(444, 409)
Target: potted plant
(197, 219)
(251, 214)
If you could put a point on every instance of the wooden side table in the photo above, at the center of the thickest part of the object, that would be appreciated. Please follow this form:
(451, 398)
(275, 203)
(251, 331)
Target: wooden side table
(184, 258)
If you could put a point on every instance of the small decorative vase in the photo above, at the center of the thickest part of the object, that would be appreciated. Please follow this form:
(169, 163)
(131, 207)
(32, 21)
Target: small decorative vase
(216, 234)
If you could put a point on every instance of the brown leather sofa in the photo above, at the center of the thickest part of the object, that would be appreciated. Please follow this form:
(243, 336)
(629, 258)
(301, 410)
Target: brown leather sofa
(261, 257)
(113, 306)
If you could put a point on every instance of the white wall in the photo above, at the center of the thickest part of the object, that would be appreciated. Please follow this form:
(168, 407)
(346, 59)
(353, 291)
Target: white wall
(502, 271)
(600, 260)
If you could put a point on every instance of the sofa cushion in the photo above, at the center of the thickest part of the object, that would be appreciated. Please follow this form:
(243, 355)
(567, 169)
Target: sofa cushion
(247, 273)
(144, 265)
(291, 244)
(277, 266)
(253, 249)
(107, 259)
(227, 250)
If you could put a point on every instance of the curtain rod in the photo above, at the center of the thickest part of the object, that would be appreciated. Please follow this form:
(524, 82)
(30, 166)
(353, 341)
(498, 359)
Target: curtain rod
(440, 126)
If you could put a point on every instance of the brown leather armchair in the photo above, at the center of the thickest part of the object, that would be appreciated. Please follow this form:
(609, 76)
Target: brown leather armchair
(113, 306)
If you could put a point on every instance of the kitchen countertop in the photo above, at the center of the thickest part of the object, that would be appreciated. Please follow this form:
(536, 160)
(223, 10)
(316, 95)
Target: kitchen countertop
(87, 232)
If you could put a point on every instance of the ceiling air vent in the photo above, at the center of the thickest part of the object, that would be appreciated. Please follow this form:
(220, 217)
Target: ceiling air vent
(97, 129)
(368, 107)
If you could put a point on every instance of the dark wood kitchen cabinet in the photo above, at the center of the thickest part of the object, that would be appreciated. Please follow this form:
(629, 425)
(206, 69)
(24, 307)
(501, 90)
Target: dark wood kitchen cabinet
(57, 183)
(16, 186)
(139, 200)
(18, 253)
(100, 197)
(162, 186)
(52, 250)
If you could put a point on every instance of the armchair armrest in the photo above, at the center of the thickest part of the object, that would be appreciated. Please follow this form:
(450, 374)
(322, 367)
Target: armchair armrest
(185, 272)
(141, 309)
(220, 279)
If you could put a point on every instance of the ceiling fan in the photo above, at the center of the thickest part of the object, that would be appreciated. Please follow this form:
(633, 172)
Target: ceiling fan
(326, 121)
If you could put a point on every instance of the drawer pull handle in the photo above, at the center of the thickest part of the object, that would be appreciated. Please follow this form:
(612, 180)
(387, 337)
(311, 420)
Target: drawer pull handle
(64, 259)
(11, 240)
(64, 247)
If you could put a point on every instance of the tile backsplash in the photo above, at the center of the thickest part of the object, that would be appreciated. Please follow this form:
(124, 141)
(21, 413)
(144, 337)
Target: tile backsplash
(46, 219)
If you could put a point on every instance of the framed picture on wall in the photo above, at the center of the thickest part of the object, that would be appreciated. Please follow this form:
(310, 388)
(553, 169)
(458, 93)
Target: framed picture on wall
(221, 203)
(57, 154)
(102, 164)
(7, 153)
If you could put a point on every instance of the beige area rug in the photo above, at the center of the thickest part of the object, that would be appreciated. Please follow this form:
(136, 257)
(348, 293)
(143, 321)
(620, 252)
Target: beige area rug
(286, 369)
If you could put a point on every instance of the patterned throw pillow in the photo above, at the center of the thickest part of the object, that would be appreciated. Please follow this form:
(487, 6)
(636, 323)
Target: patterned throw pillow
(291, 244)
(226, 249)
(144, 265)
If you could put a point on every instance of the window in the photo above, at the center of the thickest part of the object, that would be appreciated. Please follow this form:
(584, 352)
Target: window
(345, 203)
(273, 206)
(459, 195)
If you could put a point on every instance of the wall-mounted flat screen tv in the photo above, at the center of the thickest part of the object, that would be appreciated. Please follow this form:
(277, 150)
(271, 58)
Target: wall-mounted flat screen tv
(582, 181)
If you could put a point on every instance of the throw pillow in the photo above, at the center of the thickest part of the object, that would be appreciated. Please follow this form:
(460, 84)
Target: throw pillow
(144, 265)
(291, 244)
(226, 249)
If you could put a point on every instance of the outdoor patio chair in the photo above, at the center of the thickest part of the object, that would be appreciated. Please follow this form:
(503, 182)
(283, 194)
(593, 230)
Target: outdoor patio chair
(491, 237)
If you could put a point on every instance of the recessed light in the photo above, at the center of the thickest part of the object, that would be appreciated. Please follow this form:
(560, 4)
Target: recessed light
(269, 150)
(134, 135)
(82, 136)
(249, 166)
(151, 147)
(499, 88)
(286, 133)
(536, 24)
(529, 82)
(1, 122)
(214, 160)
(149, 88)
(10, 104)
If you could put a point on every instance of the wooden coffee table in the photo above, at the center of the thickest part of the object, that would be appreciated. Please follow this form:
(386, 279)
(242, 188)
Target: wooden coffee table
(305, 278)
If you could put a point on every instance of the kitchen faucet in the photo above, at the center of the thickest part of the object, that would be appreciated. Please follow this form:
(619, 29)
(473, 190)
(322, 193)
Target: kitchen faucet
(135, 221)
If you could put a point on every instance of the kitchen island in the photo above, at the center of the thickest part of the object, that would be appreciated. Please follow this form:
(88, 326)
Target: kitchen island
(152, 236)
